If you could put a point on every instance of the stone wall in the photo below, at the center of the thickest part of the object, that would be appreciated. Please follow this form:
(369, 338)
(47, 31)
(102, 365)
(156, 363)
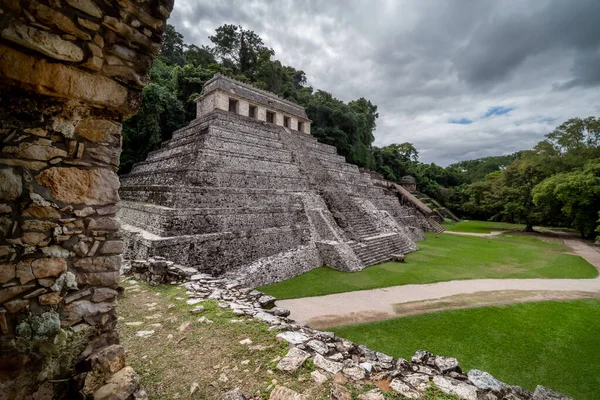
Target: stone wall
(70, 71)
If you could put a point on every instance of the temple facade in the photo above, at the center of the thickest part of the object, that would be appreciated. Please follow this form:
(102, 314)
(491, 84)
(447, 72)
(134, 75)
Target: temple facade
(244, 190)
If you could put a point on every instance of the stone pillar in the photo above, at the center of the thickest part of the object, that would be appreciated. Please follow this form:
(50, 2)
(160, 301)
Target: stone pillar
(70, 71)
(243, 107)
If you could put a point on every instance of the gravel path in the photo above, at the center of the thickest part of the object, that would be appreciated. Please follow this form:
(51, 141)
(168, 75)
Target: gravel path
(381, 301)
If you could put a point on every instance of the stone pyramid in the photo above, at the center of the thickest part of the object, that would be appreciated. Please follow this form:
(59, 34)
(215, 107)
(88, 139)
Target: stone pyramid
(245, 190)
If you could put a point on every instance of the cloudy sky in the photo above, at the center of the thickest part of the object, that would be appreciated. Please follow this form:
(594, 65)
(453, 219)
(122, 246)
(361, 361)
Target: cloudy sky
(459, 79)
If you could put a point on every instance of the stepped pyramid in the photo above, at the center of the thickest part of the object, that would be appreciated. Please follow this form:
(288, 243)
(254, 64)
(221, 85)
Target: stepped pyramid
(245, 190)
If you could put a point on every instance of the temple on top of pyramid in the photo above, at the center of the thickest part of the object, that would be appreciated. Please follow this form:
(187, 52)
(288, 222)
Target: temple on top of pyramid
(244, 190)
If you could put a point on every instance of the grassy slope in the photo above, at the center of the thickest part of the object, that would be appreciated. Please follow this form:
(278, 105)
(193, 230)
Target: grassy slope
(446, 258)
(482, 226)
(554, 344)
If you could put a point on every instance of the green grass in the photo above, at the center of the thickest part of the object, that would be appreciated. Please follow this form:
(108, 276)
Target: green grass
(482, 226)
(554, 344)
(445, 258)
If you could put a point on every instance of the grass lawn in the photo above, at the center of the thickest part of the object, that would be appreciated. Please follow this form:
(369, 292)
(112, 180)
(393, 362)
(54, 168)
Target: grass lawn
(554, 344)
(482, 226)
(449, 257)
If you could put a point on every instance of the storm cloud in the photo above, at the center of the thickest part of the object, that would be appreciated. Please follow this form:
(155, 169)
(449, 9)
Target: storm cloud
(458, 79)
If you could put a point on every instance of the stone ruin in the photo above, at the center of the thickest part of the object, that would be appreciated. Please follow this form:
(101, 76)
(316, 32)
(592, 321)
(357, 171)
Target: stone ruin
(245, 190)
(70, 71)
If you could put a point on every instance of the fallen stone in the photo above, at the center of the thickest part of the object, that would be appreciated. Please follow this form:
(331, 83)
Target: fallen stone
(318, 377)
(246, 341)
(234, 394)
(293, 360)
(354, 373)
(339, 392)
(283, 393)
(455, 387)
(543, 393)
(417, 381)
(197, 310)
(446, 364)
(405, 390)
(204, 320)
(144, 334)
(293, 337)
(374, 394)
(318, 346)
(266, 301)
(330, 366)
(421, 356)
(120, 386)
(484, 381)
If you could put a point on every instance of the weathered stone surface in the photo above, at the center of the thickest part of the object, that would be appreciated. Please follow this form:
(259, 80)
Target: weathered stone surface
(293, 360)
(318, 377)
(234, 394)
(47, 267)
(318, 346)
(330, 366)
(79, 186)
(75, 311)
(16, 305)
(292, 337)
(120, 386)
(104, 294)
(86, 23)
(7, 272)
(374, 394)
(283, 393)
(99, 264)
(484, 381)
(446, 364)
(46, 78)
(106, 154)
(354, 373)
(107, 279)
(87, 6)
(11, 186)
(455, 387)
(3, 322)
(41, 212)
(109, 359)
(104, 223)
(543, 393)
(46, 43)
(55, 18)
(112, 247)
(50, 298)
(417, 381)
(99, 130)
(339, 392)
(10, 292)
(405, 390)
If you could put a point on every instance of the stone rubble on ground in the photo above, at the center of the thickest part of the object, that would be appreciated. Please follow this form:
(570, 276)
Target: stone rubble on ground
(338, 359)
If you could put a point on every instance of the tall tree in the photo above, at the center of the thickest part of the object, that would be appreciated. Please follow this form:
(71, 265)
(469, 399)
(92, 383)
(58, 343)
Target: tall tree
(239, 48)
(172, 49)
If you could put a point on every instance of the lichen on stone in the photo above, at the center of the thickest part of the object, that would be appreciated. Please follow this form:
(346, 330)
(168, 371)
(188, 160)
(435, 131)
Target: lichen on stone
(65, 281)
(44, 326)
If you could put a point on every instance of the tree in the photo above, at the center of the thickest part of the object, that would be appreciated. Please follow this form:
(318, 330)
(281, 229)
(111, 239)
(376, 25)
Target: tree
(199, 56)
(239, 47)
(172, 48)
(574, 195)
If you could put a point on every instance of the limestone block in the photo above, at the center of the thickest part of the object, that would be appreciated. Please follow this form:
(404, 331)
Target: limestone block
(46, 267)
(283, 393)
(106, 279)
(48, 78)
(41, 149)
(14, 306)
(99, 130)
(50, 298)
(11, 186)
(86, 23)
(104, 294)
(7, 272)
(23, 272)
(75, 311)
(104, 223)
(10, 292)
(112, 247)
(87, 6)
(126, 31)
(46, 43)
(109, 359)
(55, 18)
(455, 387)
(79, 186)
(332, 367)
(93, 63)
(106, 154)
(121, 385)
(293, 360)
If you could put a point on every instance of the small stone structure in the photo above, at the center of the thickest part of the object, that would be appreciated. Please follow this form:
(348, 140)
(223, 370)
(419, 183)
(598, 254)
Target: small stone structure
(70, 71)
(334, 356)
(245, 190)
(409, 183)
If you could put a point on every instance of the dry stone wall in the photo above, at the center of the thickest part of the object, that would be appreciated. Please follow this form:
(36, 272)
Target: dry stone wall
(335, 359)
(70, 71)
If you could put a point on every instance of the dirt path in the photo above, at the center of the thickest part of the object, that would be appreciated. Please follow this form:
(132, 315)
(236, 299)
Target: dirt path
(377, 304)
(492, 233)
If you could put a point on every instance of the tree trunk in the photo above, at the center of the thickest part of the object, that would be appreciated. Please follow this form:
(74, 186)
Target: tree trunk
(529, 227)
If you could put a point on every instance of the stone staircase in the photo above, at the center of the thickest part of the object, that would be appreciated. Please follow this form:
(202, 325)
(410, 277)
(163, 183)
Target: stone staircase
(435, 226)
(378, 249)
